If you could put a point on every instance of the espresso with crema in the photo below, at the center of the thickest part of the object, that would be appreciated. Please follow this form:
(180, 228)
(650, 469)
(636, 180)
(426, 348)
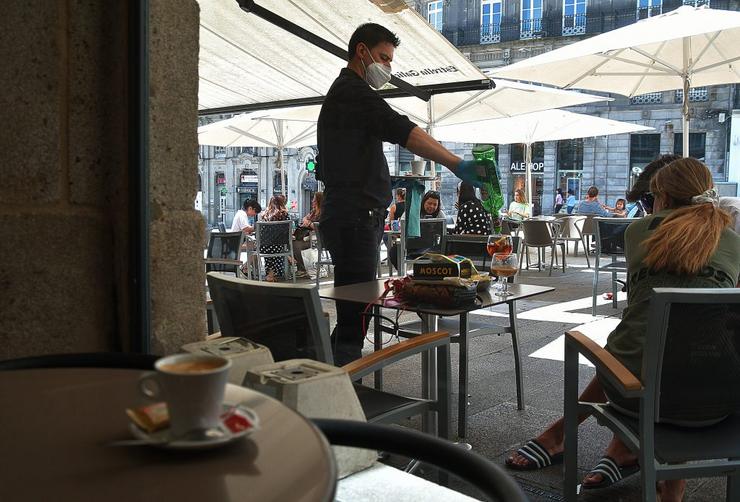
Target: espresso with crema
(197, 366)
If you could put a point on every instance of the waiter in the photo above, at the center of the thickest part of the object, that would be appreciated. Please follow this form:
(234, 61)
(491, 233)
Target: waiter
(353, 124)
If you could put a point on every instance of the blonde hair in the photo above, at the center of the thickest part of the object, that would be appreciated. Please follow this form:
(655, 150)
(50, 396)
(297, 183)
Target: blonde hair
(521, 194)
(686, 240)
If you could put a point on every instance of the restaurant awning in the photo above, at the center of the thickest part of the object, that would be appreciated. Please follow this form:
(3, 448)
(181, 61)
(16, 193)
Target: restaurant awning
(247, 61)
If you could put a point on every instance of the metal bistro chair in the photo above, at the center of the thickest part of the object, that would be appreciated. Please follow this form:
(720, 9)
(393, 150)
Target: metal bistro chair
(288, 319)
(541, 235)
(609, 242)
(587, 230)
(224, 251)
(324, 258)
(433, 233)
(570, 226)
(272, 233)
(690, 368)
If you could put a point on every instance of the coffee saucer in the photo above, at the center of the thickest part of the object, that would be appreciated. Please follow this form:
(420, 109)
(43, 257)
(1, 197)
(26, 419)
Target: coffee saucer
(236, 422)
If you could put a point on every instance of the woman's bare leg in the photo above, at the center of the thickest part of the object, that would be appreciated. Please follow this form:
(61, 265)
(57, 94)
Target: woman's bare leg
(552, 438)
(671, 490)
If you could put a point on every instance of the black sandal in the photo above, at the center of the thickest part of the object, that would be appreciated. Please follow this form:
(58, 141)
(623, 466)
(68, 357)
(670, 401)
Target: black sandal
(611, 473)
(537, 456)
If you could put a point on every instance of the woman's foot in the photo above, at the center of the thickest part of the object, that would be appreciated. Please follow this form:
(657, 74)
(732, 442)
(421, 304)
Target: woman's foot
(671, 490)
(618, 461)
(531, 456)
(270, 277)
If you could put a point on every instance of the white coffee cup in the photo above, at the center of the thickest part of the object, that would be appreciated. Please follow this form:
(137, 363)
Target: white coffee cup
(417, 167)
(193, 387)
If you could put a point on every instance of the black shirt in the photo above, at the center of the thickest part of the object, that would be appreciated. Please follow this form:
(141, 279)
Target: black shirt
(353, 123)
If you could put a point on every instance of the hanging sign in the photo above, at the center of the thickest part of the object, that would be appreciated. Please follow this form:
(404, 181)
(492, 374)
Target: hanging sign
(521, 167)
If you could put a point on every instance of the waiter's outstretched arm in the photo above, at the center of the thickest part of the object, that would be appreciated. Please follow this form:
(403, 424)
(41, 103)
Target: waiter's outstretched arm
(423, 145)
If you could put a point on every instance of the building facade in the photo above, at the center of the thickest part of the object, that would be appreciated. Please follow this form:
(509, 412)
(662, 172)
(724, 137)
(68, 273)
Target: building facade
(493, 33)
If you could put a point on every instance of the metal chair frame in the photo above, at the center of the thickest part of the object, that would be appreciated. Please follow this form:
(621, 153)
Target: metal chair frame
(615, 266)
(286, 255)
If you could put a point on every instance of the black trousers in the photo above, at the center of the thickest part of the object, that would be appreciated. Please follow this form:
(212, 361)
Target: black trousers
(352, 238)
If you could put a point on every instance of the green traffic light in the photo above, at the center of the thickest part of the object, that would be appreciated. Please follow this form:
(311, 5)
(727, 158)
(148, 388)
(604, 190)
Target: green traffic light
(310, 166)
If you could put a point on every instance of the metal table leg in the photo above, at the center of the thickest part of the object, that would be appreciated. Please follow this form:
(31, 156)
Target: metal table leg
(429, 374)
(462, 402)
(378, 344)
(517, 356)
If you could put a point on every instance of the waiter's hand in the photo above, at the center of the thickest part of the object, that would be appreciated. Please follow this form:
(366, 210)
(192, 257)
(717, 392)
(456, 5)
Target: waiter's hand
(467, 170)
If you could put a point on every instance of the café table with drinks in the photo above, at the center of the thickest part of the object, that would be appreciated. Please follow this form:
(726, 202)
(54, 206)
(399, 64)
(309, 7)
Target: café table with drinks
(100, 434)
(504, 265)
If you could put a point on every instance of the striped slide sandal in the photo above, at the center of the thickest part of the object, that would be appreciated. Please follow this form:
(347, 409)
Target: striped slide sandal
(536, 455)
(610, 472)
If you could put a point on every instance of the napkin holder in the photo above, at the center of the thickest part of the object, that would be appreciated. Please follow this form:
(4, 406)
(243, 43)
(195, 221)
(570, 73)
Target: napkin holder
(242, 353)
(315, 390)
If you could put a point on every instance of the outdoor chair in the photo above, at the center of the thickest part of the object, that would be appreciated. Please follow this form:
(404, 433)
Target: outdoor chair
(541, 235)
(222, 228)
(690, 364)
(224, 251)
(288, 320)
(128, 360)
(271, 234)
(481, 473)
(610, 243)
(324, 258)
(587, 231)
(570, 232)
(432, 239)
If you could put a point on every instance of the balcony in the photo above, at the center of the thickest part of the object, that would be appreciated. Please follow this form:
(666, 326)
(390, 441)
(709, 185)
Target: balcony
(591, 23)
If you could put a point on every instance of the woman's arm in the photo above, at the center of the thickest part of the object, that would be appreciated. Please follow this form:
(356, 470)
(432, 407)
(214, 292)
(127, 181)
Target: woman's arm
(392, 213)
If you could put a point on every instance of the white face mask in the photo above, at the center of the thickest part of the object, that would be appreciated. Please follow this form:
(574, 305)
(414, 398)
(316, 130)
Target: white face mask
(376, 74)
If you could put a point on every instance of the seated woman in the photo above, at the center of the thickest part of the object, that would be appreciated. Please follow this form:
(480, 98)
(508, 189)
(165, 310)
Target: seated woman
(431, 207)
(472, 218)
(276, 211)
(685, 243)
(519, 209)
(303, 232)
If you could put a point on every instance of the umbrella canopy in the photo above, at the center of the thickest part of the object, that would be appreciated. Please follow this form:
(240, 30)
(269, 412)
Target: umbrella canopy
(505, 100)
(279, 128)
(687, 47)
(548, 125)
(246, 60)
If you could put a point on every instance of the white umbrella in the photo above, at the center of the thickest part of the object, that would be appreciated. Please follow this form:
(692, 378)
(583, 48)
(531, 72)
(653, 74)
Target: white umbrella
(687, 47)
(278, 128)
(548, 125)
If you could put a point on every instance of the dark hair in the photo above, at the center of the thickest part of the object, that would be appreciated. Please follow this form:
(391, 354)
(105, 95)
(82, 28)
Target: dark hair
(466, 193)
(624, 203)
(370, 34)
(431, 194)
(592, 191)
(401, 192)
(571, 192)
(642, 184)
(560, 191)
(253, 204)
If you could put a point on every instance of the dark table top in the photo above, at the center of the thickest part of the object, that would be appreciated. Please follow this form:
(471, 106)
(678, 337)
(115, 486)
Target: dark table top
(368, 292)
(56, 423)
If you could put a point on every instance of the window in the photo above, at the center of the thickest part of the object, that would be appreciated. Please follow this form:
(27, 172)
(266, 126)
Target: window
(647, 99)
(538, 153)
(695, 94)
(697, 144)
(574, 17)
(277, 187)
(644, 148)
(648, 8)
(434, 14)
(490, 21)
(570, 155)
(531, 19)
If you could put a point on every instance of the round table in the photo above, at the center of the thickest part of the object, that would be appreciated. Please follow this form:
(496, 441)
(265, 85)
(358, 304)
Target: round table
(57, 423)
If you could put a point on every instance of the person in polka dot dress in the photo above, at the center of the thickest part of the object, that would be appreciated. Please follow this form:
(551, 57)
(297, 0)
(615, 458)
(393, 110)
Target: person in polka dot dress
(472, 217)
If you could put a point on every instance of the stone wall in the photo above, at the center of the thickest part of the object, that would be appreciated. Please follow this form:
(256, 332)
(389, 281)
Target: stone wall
(64, 196)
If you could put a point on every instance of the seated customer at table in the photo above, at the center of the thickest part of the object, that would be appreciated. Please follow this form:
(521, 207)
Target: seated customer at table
(244, 218)
(472, 218)
(302, 234)
(592, 206)
(276, 211)
(619, 210)
(685, 243)
(431, 207)
(519, 209)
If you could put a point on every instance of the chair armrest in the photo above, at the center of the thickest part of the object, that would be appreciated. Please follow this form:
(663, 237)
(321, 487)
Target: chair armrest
(625, 382)
(401, 350)
(221, 261)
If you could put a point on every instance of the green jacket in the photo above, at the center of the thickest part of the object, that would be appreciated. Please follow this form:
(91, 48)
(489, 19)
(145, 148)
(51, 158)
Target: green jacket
(627, 340)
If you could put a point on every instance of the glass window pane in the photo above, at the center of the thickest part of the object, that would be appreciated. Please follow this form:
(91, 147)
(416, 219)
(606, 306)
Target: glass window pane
(644, 148)
(697, 144)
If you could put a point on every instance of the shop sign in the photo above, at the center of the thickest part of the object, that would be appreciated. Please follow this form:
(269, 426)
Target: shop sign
(521, 167)
(247, 178)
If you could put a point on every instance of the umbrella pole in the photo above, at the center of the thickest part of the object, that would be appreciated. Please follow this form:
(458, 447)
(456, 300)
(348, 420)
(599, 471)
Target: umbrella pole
(430, 130)
(281, 159)
(685, 117)
(528, 171)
